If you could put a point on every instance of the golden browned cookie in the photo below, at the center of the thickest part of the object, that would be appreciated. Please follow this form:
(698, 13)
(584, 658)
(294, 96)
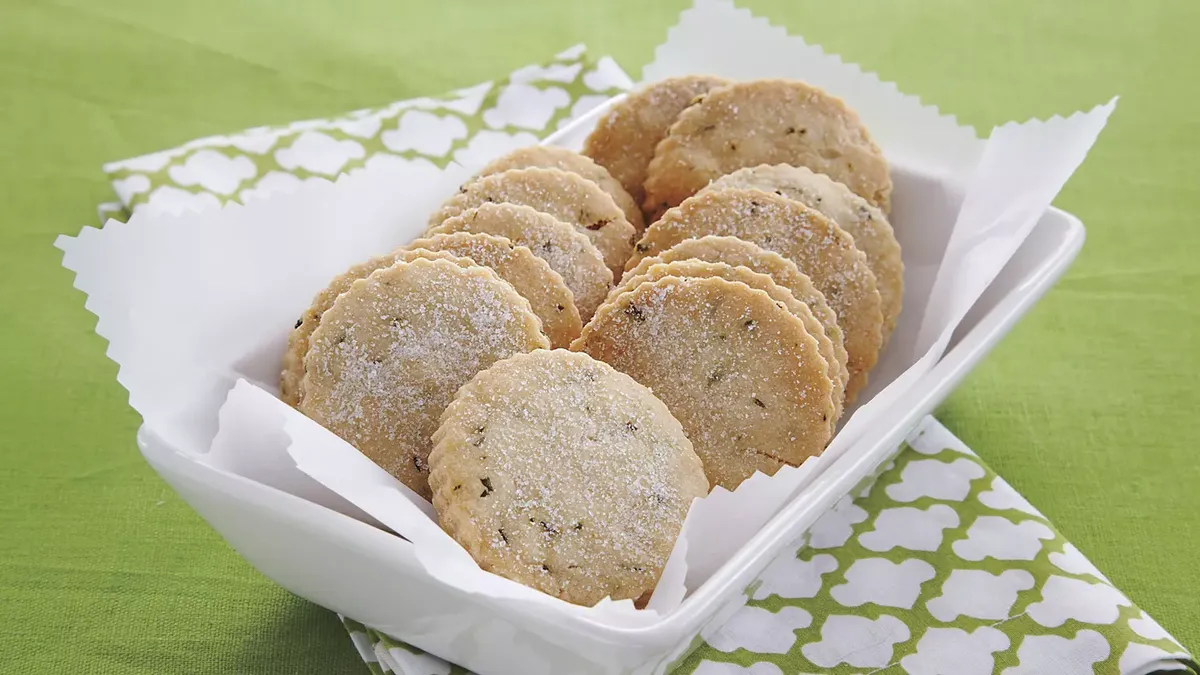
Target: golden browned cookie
(290, 381)
(550, 157)
(625, 137)
(389, 354)
(565, 249)
(556, 471)
(820, 248)
(734, 251)
(871, 230)
(765, 122)
(700, 269)
(567, 196)
(739, 372)
(531, 276)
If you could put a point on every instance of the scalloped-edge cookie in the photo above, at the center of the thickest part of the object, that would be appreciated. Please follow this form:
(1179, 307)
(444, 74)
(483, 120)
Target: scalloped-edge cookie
(567, 196)
(391, 352)
(625, 137)
(820, 248)
(556, 471)
(564, 248)
(765, 122)
(739, 252)
(739, 372)
(700, 269)
(529, 275)
(551, 157)
(873, 234)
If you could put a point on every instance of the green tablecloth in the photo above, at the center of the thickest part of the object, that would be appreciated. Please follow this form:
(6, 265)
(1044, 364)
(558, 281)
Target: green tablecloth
(1085, 408)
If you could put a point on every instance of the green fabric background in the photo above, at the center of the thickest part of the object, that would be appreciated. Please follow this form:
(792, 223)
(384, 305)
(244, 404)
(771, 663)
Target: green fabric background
(1087, 408)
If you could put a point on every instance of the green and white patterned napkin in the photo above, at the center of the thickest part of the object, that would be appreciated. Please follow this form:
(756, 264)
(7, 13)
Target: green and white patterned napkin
(939, 567)
(469, 126)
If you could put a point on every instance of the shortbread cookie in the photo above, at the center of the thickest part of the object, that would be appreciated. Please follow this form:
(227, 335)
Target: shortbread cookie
(531, 276)
(700, 270)
(871, 230)
(739, 252)
(739, 371)
(567, 196)
(558, 472)
(625, 137)
(290, 381)
(820, 248)
(566, 250)
(551, 157)
(389, 354)
(765, 122)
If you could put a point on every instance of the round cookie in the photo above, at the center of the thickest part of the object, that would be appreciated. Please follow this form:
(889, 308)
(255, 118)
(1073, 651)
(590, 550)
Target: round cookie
(556, 471)
(569, 197)
(700, 269)
(765, 122)
(739, 372)
(290, 381)
(564, 248)
(871, 230)
(550, 157)
(820, 248)
(739, 252)
(531, 276)
(625, 137)
(389, 354)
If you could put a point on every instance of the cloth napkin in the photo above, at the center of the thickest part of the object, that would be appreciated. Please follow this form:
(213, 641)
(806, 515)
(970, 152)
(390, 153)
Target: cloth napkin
(937, 566)
(469, 126)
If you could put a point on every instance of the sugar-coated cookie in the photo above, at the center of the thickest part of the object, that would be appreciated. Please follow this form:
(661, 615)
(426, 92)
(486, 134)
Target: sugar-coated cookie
(391, 352)
(556, 471)
(739, 371)
(765, 122)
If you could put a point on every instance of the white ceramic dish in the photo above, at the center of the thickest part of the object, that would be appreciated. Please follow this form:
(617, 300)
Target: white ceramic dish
(371, 575)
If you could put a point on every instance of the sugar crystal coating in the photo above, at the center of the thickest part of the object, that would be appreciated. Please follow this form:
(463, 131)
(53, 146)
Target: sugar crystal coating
(868, 225)
(700, 269)
(765, 122)
(625, 137)
(820, 249)
(389, 354)
(739, 252)
(529, 275)
(566, 250)
(291, 380)
(556, 471)
(569, 197)
(551, 157)
(737, 370)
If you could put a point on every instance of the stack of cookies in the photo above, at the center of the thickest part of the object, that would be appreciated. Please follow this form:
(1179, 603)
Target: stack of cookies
(767, 207)
(581, 344)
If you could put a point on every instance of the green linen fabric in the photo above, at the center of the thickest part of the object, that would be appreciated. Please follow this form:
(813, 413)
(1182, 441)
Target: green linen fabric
(1085, 408)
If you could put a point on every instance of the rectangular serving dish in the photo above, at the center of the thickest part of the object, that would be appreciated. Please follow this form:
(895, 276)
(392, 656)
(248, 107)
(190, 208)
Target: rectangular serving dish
(372, 576)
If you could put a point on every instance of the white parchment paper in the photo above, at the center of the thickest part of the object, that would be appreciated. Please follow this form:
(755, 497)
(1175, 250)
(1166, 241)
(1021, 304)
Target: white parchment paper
(197, 307)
